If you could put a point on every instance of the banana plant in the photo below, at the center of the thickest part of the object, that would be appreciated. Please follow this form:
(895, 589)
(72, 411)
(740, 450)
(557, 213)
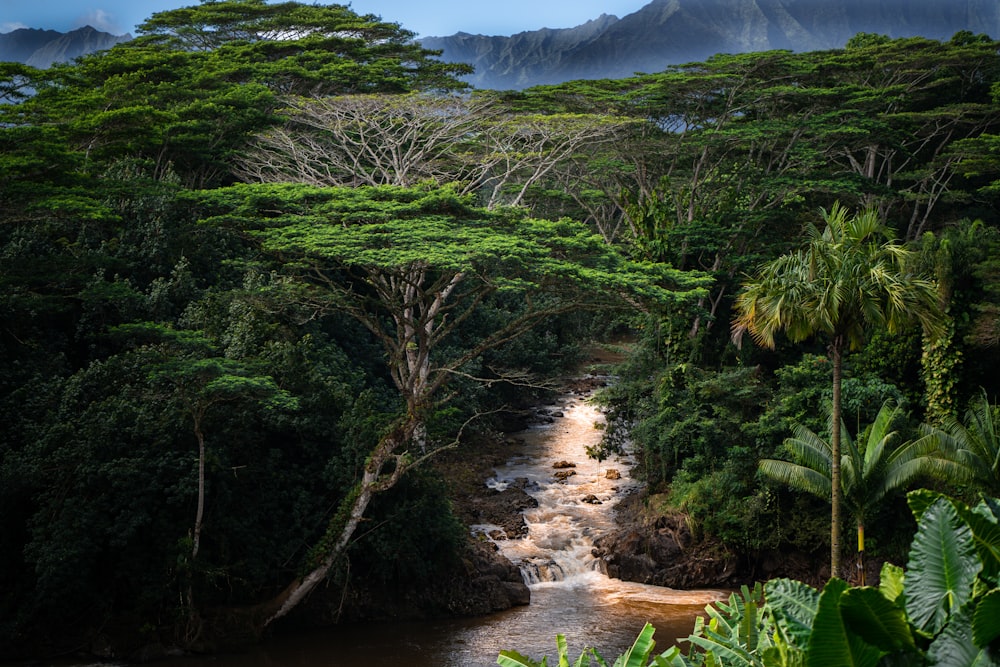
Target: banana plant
(738, 633)
(942, 611)
(638, 655)
(515, 659)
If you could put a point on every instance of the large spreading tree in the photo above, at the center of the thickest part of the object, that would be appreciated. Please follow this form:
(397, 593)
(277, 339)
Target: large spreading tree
(414, 266)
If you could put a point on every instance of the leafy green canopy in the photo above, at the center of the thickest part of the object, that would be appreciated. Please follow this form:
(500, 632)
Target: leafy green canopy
(387, 229)
(849, 279)
(187, 94)
(304, 49)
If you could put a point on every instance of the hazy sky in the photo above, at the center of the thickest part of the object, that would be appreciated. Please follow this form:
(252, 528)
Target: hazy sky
(425, 17)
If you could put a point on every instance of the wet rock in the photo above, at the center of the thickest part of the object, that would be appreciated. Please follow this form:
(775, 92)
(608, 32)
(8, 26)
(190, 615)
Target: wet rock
(518, 594)
(660, 549)
(502, 508)
(563, 464)
(612, 474)
(525, 484)
(563, 475)
(483, 582)
(591, 499)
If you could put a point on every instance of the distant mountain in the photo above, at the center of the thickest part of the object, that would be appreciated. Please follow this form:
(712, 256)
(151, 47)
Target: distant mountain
(671, 32)
(41, 48)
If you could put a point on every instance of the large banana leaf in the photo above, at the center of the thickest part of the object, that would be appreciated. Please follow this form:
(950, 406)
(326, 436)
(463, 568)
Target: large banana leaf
(830, 644)
(954, 646)
(986, 621)
(986, 534)
(876, 620)
(942, 568)
(515, 659)
(638, 654)
(793, 606)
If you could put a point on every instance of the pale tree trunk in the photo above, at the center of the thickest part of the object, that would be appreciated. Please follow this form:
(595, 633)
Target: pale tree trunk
(199, 515)
(837, 352)
(351, 513)
(193, 629)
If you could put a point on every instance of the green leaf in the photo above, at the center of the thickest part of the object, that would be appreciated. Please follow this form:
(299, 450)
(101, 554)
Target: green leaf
(515, 659)
(638, 654)
(891, 582)
(875, 619)
(986, 535)
(954, 647)
(920, 500)
(986, 620)
(943, 566)
(672, 657)
(563, 649)
(793, 605)
(831, 645)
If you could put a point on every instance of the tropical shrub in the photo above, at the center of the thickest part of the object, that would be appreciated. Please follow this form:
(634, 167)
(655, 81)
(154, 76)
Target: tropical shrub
(944, 609)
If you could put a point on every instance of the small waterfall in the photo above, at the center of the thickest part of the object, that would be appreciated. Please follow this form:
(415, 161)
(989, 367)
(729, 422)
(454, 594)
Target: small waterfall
(575, 495)
(569, 592)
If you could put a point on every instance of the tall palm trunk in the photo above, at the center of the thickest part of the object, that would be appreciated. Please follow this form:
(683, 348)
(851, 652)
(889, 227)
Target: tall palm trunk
(837, 352)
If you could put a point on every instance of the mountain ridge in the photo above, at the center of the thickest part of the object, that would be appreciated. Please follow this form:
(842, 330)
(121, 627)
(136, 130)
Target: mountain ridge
(672, 32)
(41, 48)
(660, 34)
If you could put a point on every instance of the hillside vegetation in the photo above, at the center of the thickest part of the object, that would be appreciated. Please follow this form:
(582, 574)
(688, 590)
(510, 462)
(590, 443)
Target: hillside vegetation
(262, 262)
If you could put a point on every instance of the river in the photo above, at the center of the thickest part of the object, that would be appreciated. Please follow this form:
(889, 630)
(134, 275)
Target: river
(570, 594)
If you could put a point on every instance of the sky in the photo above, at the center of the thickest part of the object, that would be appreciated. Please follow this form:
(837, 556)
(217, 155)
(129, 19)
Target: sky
(424, 17)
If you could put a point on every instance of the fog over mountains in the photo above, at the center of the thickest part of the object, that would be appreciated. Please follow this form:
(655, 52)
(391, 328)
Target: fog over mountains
(670, 32)
(663, 33)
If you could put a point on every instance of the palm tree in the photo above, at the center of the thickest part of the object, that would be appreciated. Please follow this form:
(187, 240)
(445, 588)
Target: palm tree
(972, 448)
(849, 278)
(871, 469)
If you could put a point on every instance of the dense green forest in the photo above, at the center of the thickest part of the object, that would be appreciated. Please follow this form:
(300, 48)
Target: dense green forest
(263, 261)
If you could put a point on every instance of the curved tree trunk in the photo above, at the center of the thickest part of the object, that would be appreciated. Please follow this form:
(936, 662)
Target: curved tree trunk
(200, 512)
(236, 626)
(837, 352)
(299, 589)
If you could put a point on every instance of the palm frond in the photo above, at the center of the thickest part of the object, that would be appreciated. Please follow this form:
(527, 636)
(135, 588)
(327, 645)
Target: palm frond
(797, 476)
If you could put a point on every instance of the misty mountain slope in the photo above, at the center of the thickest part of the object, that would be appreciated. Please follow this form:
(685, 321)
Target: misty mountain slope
(524, 58)
(41, 48)
(670, 32)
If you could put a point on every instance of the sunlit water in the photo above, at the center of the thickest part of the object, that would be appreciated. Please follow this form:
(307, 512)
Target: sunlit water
(570, 594)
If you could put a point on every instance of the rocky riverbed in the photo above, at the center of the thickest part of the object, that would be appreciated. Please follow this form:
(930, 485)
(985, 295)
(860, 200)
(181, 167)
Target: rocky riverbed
(648, 545)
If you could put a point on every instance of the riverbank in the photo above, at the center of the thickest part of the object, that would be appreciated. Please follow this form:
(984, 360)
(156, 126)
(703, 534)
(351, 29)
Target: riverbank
(654, 544)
